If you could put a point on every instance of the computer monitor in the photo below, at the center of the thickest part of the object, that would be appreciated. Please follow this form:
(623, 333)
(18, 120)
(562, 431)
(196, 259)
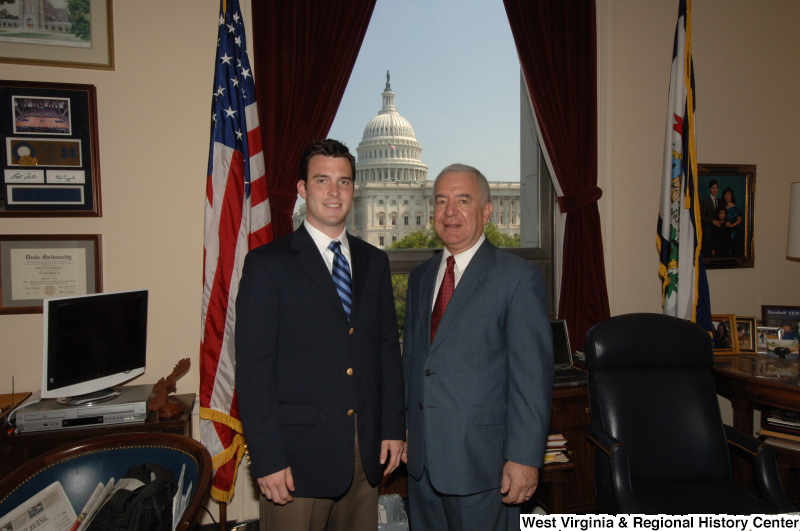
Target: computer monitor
(93, 343)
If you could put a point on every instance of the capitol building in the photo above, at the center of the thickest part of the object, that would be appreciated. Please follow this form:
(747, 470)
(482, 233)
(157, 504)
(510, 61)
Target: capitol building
(393, 194)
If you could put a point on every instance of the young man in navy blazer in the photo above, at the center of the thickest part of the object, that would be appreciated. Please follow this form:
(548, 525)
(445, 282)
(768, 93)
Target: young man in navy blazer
(318, 368)
(479, 384)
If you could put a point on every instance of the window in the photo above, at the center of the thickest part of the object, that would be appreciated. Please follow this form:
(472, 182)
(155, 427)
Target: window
(523, 196)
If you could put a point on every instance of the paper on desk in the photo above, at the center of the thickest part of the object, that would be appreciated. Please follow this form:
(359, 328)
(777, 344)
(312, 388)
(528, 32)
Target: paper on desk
(181, 500)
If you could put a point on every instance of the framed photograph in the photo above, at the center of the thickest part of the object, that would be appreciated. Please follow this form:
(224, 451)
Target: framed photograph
(724, 334)
(786, 319)
(766, 335)
(38, 267)
(69, 33)
(746, 334)
(727, 195)
(48, 150)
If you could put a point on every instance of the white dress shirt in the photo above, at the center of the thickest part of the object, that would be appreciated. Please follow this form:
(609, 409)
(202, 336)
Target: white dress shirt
(462, 260)
(323, 241)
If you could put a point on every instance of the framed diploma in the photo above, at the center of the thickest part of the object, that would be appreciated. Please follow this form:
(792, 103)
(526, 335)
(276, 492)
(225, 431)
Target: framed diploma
(48, 150)
(38, 267)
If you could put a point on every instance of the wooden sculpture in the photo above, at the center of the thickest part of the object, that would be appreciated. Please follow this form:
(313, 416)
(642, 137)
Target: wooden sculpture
(167, 406)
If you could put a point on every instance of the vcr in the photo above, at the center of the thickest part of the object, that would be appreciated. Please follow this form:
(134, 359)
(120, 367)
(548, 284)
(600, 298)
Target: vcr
(129, 407)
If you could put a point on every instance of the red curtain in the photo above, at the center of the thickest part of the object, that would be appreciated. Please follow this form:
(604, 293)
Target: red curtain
(556, 43)
(304, 53)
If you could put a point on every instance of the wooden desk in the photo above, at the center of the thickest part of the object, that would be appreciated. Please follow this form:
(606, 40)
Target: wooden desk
(570, 488)
(563, 487)
(760, 382)
(18, 448)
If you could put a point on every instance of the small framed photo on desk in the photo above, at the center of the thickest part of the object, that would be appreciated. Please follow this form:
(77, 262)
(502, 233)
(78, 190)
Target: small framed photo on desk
(766, 334)
(724, 330)
(746, 334)
(787, 320)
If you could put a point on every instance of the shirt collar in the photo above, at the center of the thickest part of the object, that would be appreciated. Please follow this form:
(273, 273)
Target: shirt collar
(322, 240)
(463, 258)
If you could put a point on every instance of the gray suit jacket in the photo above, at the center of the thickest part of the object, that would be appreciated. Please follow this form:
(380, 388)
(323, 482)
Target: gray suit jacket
(481, 393)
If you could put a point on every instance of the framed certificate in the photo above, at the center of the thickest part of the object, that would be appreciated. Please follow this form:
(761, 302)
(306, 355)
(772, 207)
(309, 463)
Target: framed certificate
(38, 267)
(48, 150)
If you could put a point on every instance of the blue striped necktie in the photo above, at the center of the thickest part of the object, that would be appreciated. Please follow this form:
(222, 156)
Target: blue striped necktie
(341, 276)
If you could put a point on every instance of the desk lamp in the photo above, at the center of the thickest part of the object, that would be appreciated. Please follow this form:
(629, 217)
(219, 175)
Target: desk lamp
(793, 238)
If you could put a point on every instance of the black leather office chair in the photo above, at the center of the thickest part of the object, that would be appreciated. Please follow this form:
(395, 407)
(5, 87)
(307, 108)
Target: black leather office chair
(81, 466)
(661, 446)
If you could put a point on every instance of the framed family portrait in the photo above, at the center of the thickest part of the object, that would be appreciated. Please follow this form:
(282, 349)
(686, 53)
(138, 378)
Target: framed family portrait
(69, 33)
(727, 195)
(724, 334)
(35, 267)
(48, 150)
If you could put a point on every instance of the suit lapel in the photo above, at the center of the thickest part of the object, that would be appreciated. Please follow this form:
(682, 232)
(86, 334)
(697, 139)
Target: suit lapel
(468, 287)
(311, 261)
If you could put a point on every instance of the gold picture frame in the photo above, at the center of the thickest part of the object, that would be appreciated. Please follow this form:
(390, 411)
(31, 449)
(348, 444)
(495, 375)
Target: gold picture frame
(723, 337)
(41, 42)
(746, 335)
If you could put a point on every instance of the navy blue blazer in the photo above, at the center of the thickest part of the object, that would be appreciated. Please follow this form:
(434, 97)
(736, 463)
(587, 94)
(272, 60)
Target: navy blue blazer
(301, 366)
(481, 393)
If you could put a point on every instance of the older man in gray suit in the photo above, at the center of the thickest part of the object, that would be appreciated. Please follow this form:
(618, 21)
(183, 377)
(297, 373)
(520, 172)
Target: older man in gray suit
(478, 369)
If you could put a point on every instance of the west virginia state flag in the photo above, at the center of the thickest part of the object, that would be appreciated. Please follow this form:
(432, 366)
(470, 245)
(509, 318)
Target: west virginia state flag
(684, 285)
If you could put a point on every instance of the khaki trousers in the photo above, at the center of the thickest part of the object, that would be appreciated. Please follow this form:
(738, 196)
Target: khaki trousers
(355, 510)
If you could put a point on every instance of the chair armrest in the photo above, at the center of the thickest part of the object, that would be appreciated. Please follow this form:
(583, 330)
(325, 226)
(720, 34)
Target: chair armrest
(765, 468)
(612, 476)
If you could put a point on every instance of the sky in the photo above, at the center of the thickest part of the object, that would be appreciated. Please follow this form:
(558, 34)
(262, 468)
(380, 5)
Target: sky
(455, 73)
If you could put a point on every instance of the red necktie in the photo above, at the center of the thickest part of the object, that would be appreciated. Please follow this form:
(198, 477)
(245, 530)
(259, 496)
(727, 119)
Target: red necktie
(445, 292)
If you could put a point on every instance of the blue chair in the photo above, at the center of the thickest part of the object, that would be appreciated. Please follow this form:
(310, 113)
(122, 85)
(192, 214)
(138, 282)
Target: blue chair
(81, 466)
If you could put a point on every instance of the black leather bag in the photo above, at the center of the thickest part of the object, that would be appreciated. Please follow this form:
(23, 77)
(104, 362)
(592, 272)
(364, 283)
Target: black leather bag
(147, 508)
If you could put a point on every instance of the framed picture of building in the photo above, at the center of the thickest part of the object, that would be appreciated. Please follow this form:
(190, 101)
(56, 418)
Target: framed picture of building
(71, 33)
(727, 194)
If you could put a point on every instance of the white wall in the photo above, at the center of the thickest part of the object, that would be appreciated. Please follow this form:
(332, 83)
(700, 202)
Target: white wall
(154, 121)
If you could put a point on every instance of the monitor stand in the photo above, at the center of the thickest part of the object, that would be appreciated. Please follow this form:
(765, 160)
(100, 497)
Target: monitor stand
(90, 398)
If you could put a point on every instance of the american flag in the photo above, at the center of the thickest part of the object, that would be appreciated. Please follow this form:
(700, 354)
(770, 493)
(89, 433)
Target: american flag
(237, 219)
(392, 147)
(684, 285)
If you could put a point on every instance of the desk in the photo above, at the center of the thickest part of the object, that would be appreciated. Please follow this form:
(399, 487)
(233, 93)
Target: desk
(18, 448)
(761, 382)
